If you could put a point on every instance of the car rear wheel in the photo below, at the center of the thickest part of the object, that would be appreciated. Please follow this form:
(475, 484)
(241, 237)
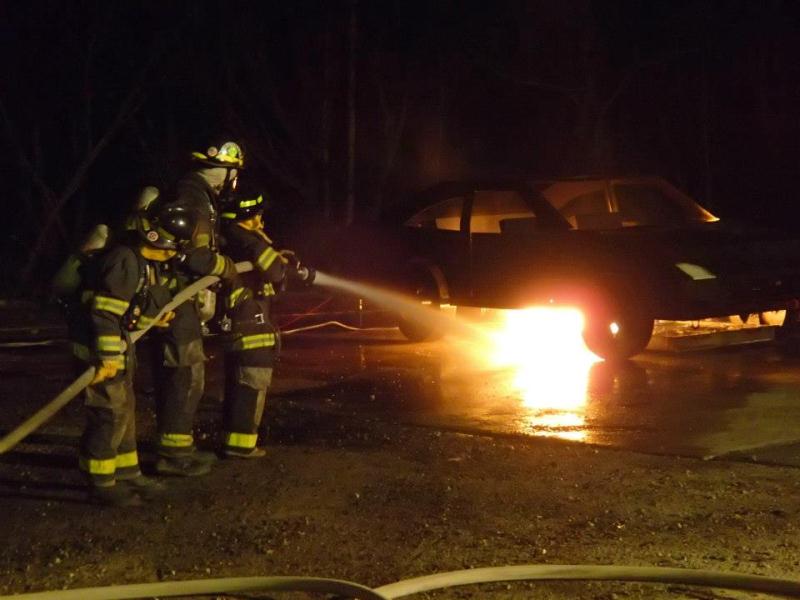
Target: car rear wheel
(419, 324)
(617, 334)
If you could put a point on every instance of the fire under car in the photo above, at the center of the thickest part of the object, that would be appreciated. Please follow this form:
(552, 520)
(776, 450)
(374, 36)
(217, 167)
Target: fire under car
(625, 251)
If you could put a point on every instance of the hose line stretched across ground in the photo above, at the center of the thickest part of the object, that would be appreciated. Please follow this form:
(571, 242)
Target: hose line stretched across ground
(45, 413)
(787, 588)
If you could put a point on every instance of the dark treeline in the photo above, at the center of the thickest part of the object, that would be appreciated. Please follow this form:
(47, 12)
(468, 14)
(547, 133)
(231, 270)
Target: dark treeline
(346, 106)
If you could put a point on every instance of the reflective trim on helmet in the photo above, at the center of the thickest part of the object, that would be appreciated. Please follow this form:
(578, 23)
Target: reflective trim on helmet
(249, 203)
(228, 215)
(228, 155)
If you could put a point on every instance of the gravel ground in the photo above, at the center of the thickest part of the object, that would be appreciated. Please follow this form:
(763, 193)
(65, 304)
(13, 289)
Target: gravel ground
(350, 497)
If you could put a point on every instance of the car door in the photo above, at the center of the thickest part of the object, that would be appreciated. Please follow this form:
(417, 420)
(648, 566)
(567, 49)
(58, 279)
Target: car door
(438, 237)
(512, 248)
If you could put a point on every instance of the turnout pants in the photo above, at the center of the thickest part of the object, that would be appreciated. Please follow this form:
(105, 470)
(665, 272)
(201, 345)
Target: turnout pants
(180, 380)
(245, 397)
(108, 445)
(249, 358)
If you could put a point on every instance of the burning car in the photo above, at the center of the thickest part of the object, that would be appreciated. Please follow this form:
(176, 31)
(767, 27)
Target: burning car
(625, 251)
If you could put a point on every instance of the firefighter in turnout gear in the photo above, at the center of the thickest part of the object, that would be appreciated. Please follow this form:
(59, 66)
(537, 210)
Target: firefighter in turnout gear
(181, 358)
(254, 340)
(123, 287)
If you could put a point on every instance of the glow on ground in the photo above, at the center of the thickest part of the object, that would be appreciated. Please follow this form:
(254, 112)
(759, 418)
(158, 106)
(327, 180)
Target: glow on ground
(543, 349)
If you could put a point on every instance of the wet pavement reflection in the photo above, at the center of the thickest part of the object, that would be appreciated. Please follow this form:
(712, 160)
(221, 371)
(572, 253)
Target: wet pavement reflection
(737, 402)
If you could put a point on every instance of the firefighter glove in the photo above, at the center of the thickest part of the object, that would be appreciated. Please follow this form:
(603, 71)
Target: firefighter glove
(106, 370)
(290, 258)
(165, 319)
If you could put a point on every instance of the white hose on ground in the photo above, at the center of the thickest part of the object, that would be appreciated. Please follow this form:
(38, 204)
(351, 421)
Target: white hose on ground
(336, 324)
(787, 588)
(45, 413)
(196, 587)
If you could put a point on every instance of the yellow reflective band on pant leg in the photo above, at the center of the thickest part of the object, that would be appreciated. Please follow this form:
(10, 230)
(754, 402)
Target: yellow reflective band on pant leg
(176, 440)
(241, 440)
(129, 459)
(98, 466)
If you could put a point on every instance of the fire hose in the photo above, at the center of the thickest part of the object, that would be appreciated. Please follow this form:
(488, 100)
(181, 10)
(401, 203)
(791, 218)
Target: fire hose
(45, 413)
(787, 588)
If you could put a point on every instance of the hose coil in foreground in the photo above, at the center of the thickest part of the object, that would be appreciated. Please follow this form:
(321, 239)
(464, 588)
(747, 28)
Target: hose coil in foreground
(787, 588)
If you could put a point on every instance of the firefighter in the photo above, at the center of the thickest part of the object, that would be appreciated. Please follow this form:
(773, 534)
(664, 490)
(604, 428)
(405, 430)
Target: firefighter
(181, 358)
(123, 287)
(254, 340)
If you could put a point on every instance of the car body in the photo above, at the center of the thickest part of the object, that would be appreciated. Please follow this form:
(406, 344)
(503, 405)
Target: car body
(625, 250)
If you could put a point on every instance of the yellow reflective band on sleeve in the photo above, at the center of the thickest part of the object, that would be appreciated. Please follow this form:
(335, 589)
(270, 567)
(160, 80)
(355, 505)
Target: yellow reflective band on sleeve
(268, 289)
(241, 440)
(252, 342)
(228, 215)
(219, 266)
(97, 466)
(113, 305)
(266, 258)
(202, 239)
(176, 440)
(129, 459)
(234, 296)
(144, 322)
(109, 343)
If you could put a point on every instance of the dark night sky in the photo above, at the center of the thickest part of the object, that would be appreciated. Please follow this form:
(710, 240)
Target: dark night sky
(704, 93)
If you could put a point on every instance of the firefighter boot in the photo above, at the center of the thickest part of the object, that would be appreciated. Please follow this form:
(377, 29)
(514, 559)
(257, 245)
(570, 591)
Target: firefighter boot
(114, 495)
(182, 466)
(147, 487)
(244, 452)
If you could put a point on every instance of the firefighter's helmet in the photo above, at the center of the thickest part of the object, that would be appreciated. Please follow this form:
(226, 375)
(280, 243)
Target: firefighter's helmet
(227, 154)
(245, 206)
(167, 227)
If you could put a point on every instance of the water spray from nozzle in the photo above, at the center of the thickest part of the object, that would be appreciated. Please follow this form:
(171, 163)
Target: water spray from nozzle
(408, 306)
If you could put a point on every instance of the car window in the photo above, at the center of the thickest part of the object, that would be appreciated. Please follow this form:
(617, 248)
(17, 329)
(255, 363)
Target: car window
(444, 215)
(583, 204)
(649, 204)
(501, 211)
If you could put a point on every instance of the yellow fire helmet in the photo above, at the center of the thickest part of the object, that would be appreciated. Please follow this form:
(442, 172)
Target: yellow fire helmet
(228, 154)
(245, 206)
